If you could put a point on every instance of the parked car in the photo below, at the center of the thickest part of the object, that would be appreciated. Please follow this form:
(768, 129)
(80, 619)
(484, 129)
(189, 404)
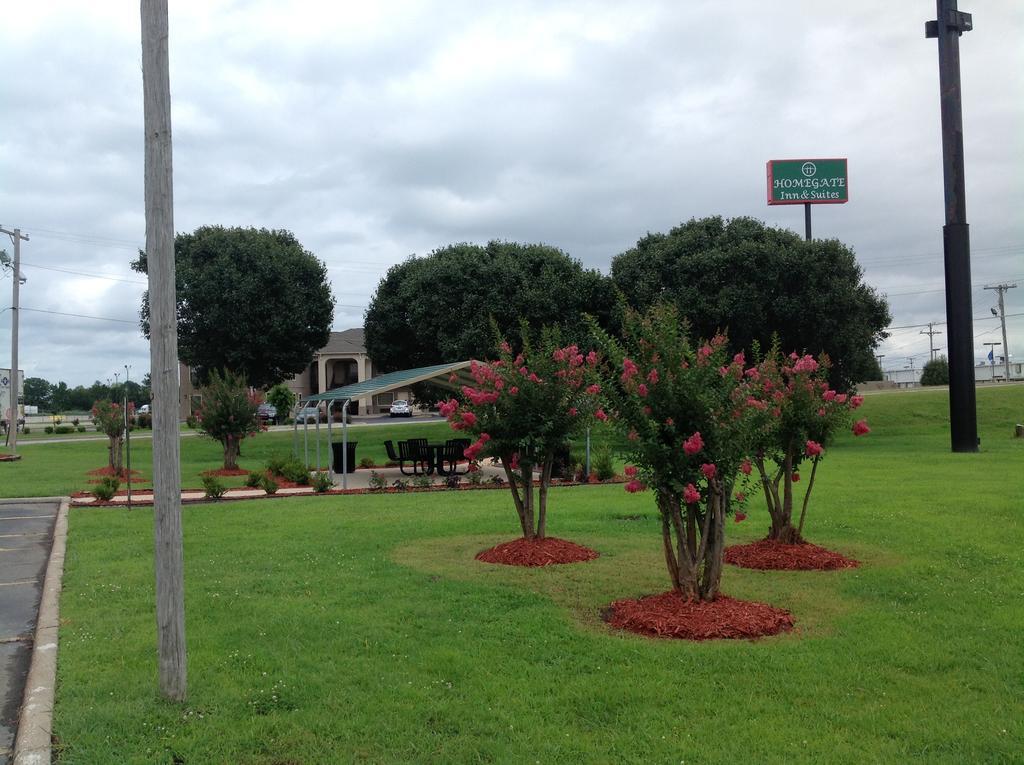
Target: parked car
(267, 411)
(401, 408)
(309, 414)
(144, 409)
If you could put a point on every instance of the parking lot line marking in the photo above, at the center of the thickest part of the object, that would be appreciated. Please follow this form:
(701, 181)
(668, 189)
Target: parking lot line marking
(20, 581)
(25, 517)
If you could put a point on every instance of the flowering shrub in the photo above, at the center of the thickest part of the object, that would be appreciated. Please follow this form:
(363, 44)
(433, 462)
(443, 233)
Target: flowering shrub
(228, 413)
(523, 409)
(108, 416)
(684, 410)
(800, 414)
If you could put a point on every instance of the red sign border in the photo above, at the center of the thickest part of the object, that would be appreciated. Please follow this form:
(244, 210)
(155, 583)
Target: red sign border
(846, 174)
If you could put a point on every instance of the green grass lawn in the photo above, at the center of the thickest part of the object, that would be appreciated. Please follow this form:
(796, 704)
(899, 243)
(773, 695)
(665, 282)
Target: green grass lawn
(360, 629)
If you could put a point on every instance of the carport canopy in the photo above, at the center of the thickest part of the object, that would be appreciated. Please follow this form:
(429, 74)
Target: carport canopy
(439, 374)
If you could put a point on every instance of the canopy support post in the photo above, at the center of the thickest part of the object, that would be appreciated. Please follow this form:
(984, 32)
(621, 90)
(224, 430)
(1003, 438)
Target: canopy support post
(344, 444)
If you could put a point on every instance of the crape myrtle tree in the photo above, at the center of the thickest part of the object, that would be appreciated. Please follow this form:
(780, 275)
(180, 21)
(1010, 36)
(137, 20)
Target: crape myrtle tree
(438, 308)
(228, 413)
(755, 281)
(523, 408)
(250, 300)
(109, 418)
(800, 414)
(684, 410)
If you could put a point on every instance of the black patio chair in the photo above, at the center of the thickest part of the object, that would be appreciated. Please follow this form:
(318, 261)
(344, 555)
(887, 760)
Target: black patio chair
(420, 454)
(407, 452)
(389, 447)
(454, 452)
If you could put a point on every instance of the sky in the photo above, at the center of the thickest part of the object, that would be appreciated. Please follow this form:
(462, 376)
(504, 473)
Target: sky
(374, 131)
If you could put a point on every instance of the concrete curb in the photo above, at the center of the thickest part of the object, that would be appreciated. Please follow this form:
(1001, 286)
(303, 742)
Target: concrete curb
(33, 743)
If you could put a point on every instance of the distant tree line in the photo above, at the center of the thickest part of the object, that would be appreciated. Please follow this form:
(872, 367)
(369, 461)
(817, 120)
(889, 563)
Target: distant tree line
(59, 397)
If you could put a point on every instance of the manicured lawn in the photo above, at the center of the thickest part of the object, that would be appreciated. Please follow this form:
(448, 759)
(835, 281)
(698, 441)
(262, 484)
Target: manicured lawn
(360, 629)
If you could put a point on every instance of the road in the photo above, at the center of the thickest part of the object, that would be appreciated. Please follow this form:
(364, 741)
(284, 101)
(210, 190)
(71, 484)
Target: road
(26, 535)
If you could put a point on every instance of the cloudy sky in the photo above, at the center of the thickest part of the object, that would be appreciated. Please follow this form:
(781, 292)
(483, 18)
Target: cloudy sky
(378, 130)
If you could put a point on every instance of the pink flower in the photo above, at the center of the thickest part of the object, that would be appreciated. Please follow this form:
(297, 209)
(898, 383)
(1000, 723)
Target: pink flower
(634, 486)
(739, 358)
(709, 470)
(741, 497)
(447, 408)
(469, 418)
(745, 467)
(629, 369)
(506, 347)
(594, 389)
(633, 435)
(856, 401)
(821, 412)
(642, 389)
(600, 414)
(796, 477)
(471, 451)
(860, 428)
(534, 378)
(828, 395)
(690, 494)
(648, 410)
(592, 358)
(693, 444)
(840, 398)
(630, 471)
(740, 517)
(573, 411)
(806, 364)
(812, 449)
(484, 438)
(652, 377)
(669, 421)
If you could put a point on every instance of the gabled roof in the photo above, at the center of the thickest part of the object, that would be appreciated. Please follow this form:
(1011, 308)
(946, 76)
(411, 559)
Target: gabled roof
(438, 374)
(349, 341)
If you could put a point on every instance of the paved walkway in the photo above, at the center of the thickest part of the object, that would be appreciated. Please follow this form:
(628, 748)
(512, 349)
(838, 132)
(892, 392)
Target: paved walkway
(26, 534)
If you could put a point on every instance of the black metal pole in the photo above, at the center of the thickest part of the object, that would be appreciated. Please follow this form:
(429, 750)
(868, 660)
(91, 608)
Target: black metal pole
(807, 221)
(955, 235)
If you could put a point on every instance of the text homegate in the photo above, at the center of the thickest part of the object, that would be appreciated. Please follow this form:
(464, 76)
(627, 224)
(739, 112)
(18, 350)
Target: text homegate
(809, 183)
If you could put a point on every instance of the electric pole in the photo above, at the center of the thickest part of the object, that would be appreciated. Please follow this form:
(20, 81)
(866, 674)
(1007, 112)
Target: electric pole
(956, 242)
(163, 350)
(992, 358)
(931, 332)
(1002, 288)
(12, 426)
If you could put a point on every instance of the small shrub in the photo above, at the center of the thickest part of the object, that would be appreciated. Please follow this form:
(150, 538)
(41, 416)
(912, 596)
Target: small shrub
(366, 462)
(401, 484)
(75, 422)
(322, 482)
(63, 430)
(452, 481)
(497, 480)
(475, 477)
(293, 470)
(191, 422)
(255, 479)
(48, 429)
(27, 429)
(80, 428)
(276, 462)
(377, 481)
(422, 482)
(107, 488)
(268, 484)
(144, 421)
(602, 465)
(214, 487)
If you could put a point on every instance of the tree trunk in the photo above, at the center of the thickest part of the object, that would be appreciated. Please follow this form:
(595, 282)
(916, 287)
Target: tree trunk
(715, 548)
(114, 458)
(526, 470)
(506, 461)
(231, 453)
(779, 508)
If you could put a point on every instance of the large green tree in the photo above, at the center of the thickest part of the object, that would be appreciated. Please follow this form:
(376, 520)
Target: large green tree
(935, 372)
(755, 281)
(437, 308)
(37, 392)
(249, 300)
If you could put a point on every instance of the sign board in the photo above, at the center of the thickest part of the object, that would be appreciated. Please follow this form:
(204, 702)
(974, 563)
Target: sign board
(5, 391)
(807, 181)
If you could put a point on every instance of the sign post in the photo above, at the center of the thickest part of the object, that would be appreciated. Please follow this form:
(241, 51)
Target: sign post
(807, 182)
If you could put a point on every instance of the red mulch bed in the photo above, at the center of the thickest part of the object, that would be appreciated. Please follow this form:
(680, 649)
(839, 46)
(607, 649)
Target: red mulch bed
(110, 471)
(768, 555)
(537, 552)
(669, 615)
(224, 472)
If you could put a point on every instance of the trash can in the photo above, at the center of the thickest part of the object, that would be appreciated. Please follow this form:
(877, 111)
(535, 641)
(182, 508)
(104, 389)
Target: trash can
(337, 464)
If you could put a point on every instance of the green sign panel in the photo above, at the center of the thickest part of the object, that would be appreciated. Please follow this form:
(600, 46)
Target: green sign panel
(807, 181)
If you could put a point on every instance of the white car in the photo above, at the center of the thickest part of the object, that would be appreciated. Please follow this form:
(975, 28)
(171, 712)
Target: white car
(401, 408)
(144, 409)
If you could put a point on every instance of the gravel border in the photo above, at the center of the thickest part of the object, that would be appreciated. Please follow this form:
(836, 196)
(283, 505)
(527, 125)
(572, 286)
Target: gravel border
(33, 743)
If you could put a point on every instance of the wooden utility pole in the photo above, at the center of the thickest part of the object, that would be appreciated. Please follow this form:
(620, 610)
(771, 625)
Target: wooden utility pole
(931, 339)
(1002, 288)
(12, 423)
(163, 352)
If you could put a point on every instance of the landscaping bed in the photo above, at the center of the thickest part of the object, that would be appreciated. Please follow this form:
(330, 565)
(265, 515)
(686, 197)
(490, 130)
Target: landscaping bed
(768, 555)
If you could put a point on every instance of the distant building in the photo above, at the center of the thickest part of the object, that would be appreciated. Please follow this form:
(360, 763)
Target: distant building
(988, 372)
(904, 378)
(343, 361)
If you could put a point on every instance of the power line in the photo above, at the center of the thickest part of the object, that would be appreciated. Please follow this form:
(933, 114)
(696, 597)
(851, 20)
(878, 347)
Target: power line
(77, 315)
(84, 273)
